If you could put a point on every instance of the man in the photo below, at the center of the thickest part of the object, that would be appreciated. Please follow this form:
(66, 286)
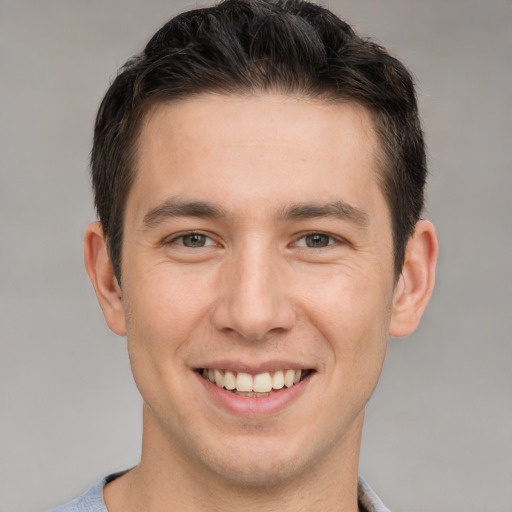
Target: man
(258, 174)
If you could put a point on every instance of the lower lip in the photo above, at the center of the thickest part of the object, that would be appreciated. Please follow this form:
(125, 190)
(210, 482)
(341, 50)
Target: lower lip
(254, 406)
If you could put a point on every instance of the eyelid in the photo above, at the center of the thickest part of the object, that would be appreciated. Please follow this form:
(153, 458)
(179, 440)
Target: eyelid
(334, 240)
(174, 238)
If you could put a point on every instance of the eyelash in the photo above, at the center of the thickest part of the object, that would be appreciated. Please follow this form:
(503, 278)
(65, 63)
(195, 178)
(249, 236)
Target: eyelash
(180, 237)
(330, 242)
(179, 240)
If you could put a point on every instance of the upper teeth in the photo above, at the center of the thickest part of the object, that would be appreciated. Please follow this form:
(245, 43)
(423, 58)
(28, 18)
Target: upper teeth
(245, 382)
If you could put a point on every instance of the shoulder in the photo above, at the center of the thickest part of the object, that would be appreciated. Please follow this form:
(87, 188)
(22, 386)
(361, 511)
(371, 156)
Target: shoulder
(368, 499)
(91, 500)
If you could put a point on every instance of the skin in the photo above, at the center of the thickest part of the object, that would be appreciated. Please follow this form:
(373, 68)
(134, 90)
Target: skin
(269, 284)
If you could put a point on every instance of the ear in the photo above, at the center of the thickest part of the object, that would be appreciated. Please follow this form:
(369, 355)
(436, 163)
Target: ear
(101, 273)
(416, 282)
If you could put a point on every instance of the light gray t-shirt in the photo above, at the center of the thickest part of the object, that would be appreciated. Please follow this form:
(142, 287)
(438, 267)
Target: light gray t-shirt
(92, 499)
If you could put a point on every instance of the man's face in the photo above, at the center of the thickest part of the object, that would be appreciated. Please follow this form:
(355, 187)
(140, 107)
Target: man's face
(256, 243)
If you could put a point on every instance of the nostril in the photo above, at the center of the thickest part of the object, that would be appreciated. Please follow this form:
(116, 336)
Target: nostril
(255, 303)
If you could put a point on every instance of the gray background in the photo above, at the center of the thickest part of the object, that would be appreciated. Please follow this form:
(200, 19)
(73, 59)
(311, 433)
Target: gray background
(439, 429)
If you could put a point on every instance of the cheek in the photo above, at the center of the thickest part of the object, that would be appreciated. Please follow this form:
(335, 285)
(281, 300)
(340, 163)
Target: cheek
(353, 313)
(163, 311)
(162, 317)
(167, 295)
(349, 302)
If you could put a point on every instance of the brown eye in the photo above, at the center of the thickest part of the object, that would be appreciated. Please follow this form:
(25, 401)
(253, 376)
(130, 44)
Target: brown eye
(317, 240)
(194, 240)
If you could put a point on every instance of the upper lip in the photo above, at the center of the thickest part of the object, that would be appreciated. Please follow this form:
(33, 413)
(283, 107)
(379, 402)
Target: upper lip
(254, 368)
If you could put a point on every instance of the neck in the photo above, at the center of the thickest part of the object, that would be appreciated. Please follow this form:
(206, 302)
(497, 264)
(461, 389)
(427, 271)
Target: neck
(166, 476)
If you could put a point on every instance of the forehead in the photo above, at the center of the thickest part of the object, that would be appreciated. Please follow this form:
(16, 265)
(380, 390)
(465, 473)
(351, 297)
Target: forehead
(250, 117)
(255, 146)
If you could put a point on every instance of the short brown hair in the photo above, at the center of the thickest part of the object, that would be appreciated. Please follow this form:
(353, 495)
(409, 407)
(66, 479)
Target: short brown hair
(250, 46)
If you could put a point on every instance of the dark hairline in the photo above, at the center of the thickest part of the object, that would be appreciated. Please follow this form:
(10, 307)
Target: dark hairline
(321, 59)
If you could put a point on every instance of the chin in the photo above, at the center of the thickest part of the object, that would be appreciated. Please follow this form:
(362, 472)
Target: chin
(262, 473)
(257, 463)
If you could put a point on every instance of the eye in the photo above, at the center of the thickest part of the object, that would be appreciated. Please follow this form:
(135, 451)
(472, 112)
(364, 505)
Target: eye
(315, 241)
(193, 240)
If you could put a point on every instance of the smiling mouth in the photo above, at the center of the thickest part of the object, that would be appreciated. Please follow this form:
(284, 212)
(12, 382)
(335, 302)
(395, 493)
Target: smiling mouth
(260, 385)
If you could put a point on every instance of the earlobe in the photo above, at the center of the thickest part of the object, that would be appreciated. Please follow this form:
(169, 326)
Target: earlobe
(101, 273)
(416, 283)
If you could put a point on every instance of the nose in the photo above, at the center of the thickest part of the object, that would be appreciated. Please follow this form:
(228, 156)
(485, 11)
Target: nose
(253, 302)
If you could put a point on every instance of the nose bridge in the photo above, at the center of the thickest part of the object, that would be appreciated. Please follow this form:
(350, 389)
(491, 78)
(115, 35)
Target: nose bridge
(254, 301)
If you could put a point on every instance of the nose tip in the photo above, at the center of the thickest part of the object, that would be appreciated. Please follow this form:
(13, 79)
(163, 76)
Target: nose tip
(254, 304)
(254, 325)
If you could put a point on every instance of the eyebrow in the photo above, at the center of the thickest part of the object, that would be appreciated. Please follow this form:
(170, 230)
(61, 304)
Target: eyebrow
(172, 208)
(176, 208)
(336, 209)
